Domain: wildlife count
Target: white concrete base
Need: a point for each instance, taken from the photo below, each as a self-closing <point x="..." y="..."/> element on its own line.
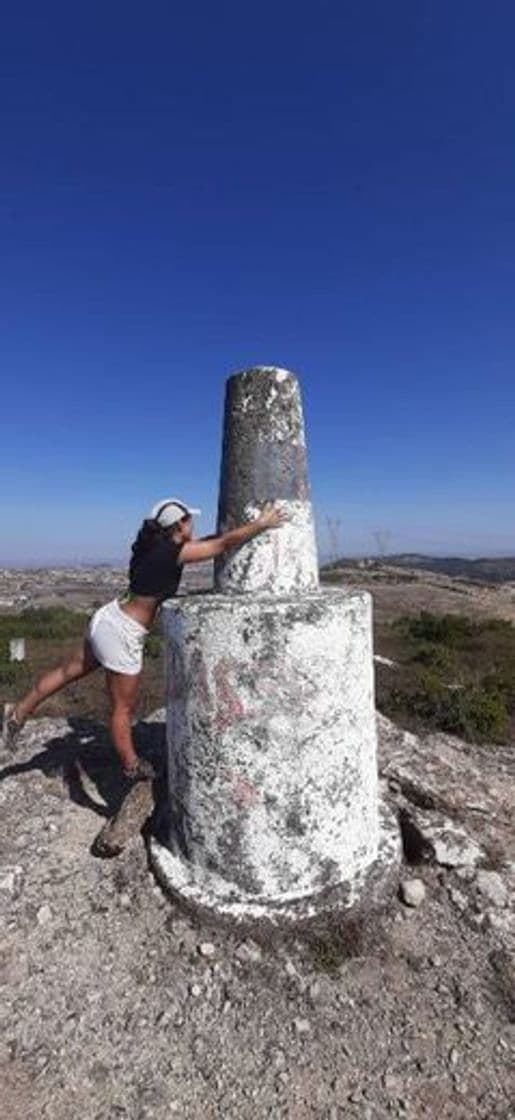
<point x="213" y="898"/>
<point x="272" y="740"/>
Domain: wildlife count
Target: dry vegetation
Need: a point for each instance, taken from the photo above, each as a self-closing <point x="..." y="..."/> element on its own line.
<point x="452" y="642"/>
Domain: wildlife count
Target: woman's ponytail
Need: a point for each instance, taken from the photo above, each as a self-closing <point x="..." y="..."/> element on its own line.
<point x="147" y="537"/>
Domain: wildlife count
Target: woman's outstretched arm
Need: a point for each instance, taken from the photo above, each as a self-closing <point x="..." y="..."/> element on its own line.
<point x="208" y="547"/>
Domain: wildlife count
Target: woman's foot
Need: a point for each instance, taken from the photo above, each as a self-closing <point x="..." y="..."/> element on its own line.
<point x="11" y="728"/>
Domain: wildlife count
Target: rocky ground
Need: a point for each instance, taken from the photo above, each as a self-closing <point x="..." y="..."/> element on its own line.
<point x="116" y="1004"/>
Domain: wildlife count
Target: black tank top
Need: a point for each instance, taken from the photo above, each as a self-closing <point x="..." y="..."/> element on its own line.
<point x="156" y="572"/>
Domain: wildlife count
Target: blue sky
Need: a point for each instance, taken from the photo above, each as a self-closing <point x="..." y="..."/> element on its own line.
<point x="187" y="190"/>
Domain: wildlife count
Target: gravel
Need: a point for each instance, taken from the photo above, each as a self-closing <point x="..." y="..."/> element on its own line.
<point x="114" y="1003"/>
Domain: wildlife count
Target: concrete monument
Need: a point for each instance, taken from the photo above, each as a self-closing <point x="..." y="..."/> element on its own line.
<point x="272" y="776"/>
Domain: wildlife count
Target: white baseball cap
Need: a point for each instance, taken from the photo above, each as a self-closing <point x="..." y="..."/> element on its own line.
<point x="169" y="511"/>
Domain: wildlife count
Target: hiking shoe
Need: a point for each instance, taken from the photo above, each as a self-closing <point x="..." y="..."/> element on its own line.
<point x="142" y="771"/>
<point x="10" y="729"/>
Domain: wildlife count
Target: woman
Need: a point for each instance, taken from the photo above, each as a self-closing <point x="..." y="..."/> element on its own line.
<point x="116" y="633"/>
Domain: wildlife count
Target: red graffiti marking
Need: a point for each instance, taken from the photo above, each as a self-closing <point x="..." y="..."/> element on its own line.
<point x="283" y="687"/>
<point x="229" y="707"/>
<point x="245" y="793"/>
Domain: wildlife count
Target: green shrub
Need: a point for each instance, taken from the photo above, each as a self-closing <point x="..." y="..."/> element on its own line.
<point x="434" y="656"/>
<point x="447" y="629"/>
<point x="42" y="622"/>
<point x="476" y="714"/>
<point x="472" y="712"/>
<point x="502" y="682"/>
<point x="497" y="626"/>
<point x="453" y="673"/>
<point x="11" y="672"/>
<point x="35" y="624"/>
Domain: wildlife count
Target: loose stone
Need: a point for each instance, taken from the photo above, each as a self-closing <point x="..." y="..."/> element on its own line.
<point x="412" y="892"/>
<point x="314" y="990"/>
<point x="248" y="951"/>
<point x="458" y="898"/>
<point x="44" y="915"/>
<point x="10" y="879"/>
<point x="207" y="949"/>
<point x="492" y="887"/>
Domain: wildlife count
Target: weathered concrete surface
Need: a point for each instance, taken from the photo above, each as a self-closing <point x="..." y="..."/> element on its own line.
<point x="357" y="895"/>
<point x="275" y="562"/>
<point x="264" y="459"/>
<point x="271" y="738"/>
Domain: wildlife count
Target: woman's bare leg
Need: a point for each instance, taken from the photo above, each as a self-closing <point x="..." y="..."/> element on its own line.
<point x="79" y="663"/>
<point x="123" y="691"/>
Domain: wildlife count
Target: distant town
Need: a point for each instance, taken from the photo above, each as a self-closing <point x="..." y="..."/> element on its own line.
<point x="76" y="588"/>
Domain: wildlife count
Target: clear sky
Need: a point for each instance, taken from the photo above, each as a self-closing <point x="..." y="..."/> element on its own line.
<point x="189" y="189"/>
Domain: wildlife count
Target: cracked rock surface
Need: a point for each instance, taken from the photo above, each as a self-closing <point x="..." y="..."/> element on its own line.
<point x="114" y="1003"/>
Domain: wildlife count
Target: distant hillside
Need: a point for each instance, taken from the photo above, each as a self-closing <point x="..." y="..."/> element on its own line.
<point x="484" y="570"/>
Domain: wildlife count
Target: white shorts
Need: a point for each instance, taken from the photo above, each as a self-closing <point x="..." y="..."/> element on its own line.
<point x="116" y="639"/>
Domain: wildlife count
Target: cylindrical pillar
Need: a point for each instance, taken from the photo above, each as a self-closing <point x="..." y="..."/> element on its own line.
<point x="271" y="725"/>
<point x="271" y="733"/>
<point x="264" y="459"/>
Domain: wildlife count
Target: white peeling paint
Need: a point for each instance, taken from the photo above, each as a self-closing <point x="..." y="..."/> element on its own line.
<point x="279" y="561"/>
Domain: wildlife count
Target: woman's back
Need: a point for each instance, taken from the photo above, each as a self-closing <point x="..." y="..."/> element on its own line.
<point x="154" y="569"/>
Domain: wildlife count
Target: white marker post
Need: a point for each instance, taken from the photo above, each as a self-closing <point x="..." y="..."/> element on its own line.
<point x="273" y="790"/>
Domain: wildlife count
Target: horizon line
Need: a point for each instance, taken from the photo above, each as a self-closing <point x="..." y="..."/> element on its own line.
<point x="34" y="565"/>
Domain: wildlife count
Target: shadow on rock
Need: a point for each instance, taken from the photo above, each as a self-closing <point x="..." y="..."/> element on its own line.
<point x="84" y="754"/>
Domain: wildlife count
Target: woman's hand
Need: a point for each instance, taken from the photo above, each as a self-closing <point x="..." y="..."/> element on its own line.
<point x="271" y="517"/>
